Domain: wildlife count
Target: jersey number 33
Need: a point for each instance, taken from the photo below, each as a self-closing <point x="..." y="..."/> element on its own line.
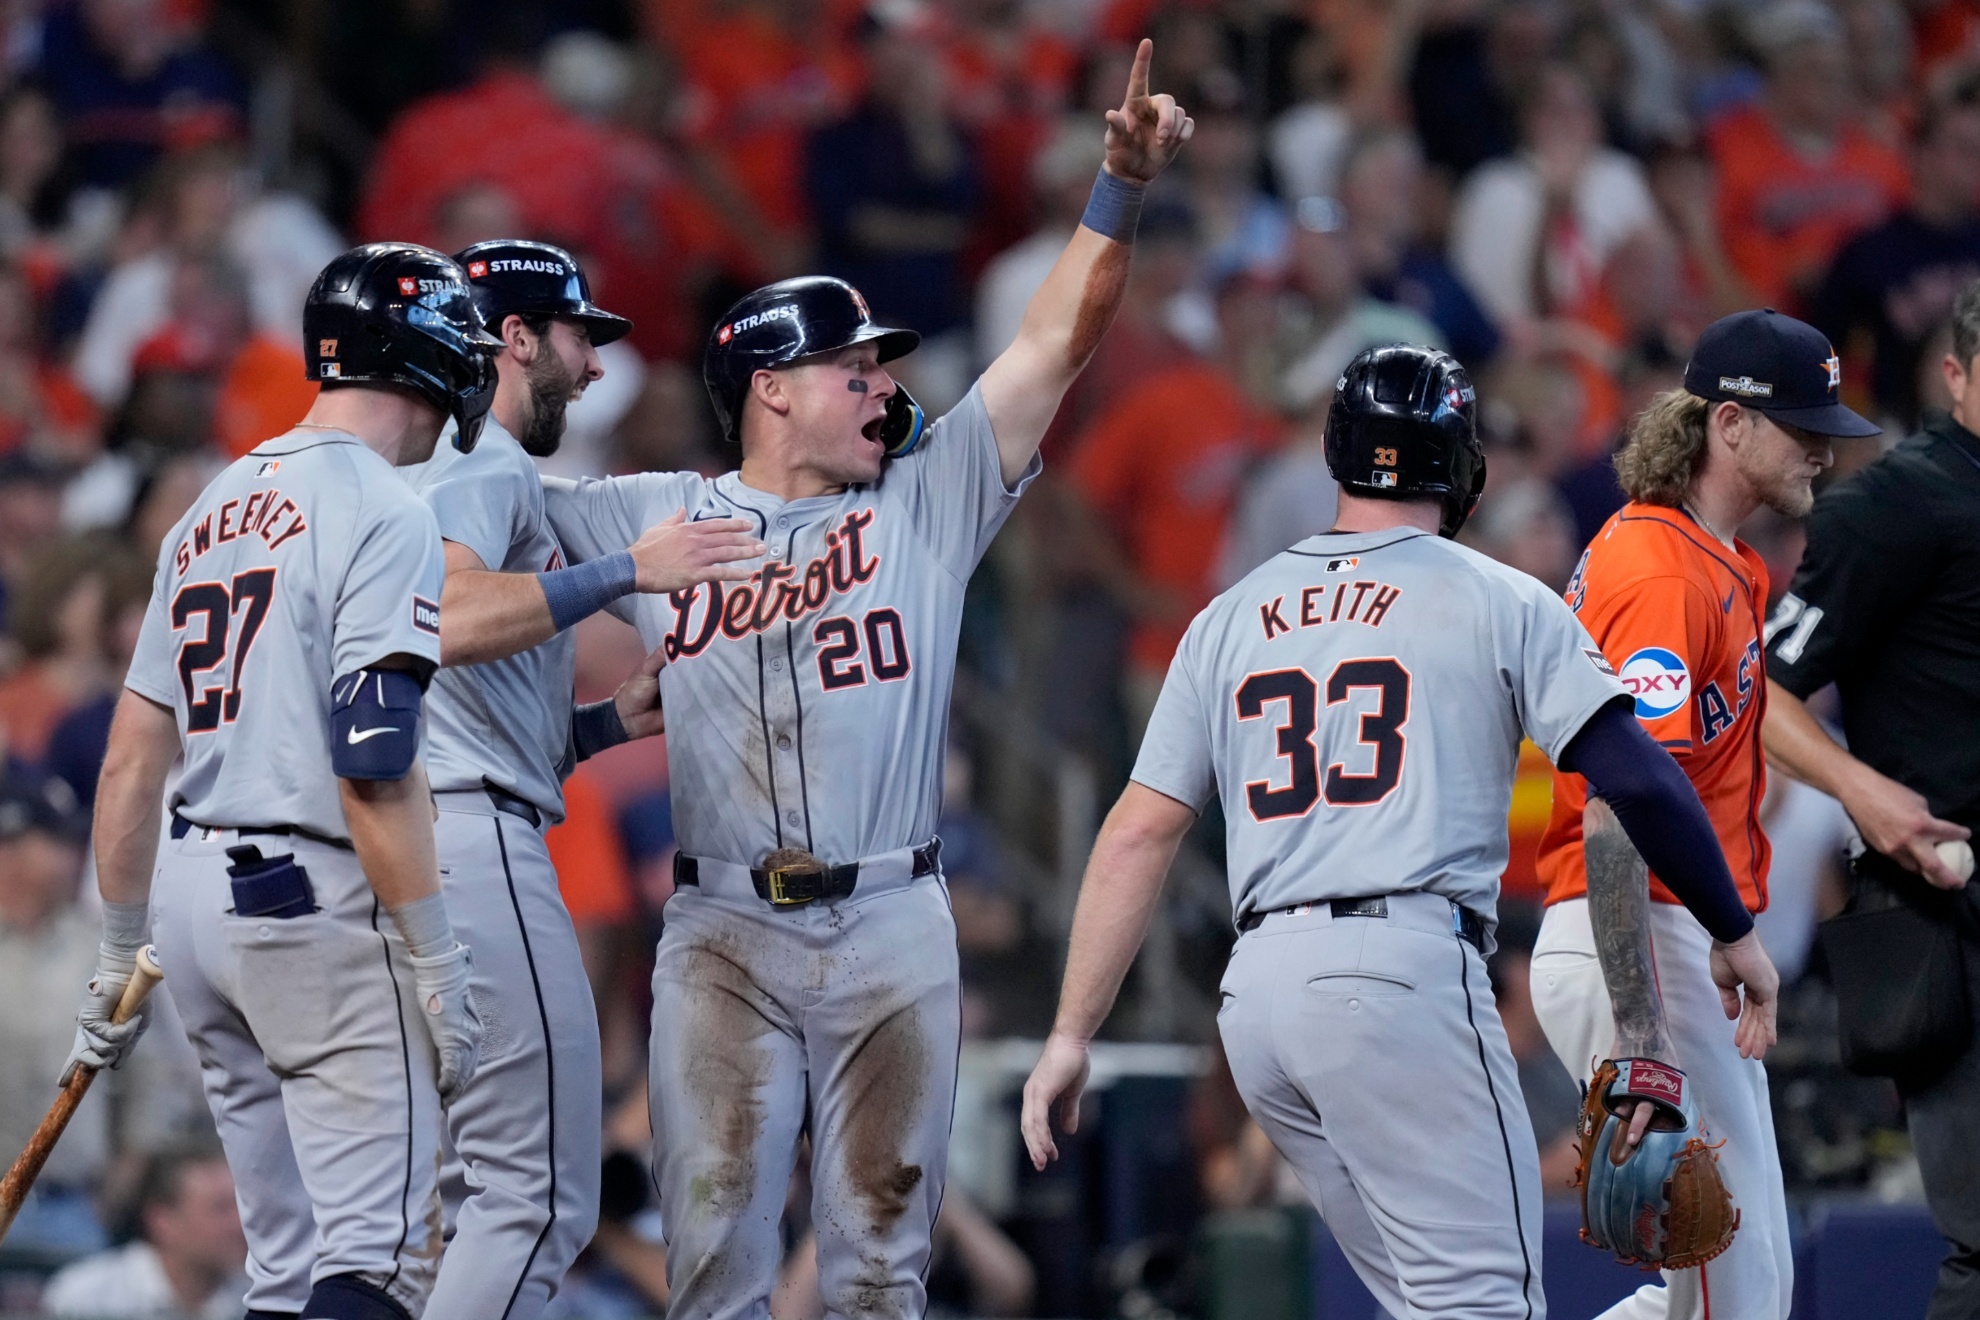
<point x="1297" y="694"/>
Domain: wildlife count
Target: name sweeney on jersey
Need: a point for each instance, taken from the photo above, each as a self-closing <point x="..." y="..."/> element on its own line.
<point x="264" y="513"/>
<point x="775" y="591"/>
<point x="1338" y="602"/>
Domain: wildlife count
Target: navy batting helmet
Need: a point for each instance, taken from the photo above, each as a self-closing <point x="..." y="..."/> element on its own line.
<point x="791" y="319"/>
<point x="515" y="277"/>
<point x="1404" y="424"/>
<point x="399" y="314"/>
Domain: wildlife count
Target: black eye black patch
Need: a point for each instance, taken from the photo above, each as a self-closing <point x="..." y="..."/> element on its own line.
<point x="856" y="386"/>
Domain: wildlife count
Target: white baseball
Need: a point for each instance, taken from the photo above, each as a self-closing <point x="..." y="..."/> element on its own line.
<point x="1957" y="854"/>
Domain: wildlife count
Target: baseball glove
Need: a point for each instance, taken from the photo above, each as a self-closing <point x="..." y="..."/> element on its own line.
<point x="1663" y="1204"/>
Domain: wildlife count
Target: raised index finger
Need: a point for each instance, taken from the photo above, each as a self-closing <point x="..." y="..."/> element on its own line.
<point x="1144" y="55"/>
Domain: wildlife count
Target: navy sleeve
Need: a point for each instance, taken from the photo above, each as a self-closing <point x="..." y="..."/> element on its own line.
<point x="1661" y="813"/>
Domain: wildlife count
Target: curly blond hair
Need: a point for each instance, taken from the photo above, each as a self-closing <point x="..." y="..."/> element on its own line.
<point x="1664" y="449"/>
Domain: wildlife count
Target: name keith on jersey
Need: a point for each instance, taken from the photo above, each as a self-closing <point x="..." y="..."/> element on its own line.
<point x="777" y="591"/>
<point x="264" y="513"/>
<point x="1338" y="602"/>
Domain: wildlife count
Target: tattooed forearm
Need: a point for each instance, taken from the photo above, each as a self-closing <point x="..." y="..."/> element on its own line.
<point x="1619" y="911"/>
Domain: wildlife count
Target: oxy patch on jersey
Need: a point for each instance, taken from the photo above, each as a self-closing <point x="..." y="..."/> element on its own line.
<point x="1658" y="679"/>
<point x="776" y="592"/>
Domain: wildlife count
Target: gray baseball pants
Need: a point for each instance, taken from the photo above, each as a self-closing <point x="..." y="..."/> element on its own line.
<point x="522" y="1184"/>
<point x="1371" y="1052"/>
<point x="317" y="1068"/>
<point x="841" y="1018"/>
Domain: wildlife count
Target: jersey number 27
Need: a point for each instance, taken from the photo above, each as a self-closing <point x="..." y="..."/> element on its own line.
<point x="248" y="599"/>
<point x="1381" y="728"/>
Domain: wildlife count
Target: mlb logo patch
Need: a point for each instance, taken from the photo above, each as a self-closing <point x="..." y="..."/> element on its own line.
<point x="426" y="615"/>
<point x="408" y="285"/>
<point x="330" y="370"/>
<point x="326" y="348"/>
<point x="477" y="269"/>
<point x="1387" y="479"/>
<point x="268" y="468"/>
<point x="1347" y="565"/>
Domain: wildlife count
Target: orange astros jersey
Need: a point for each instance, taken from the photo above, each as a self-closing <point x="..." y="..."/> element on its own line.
<point x="1680" y="617"/>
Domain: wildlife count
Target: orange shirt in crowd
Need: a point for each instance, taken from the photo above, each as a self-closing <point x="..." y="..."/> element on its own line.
<point x="1680" y="617"/>
<point x="760" y="91"/>
<point x="503" y="130"/>
<point x="592" y="872"/>
<point x="1162" y="467"/>
<point x="1783" y="217"/>
<point x="265" y="391"/>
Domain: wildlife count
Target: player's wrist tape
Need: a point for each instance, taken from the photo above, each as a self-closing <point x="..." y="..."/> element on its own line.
<point x="125" y="927"/>
<point x="582" y="590"/>
<point x="596" y="726"/>
<point x="424" y="926"/>
<point x="1114" y="208"/>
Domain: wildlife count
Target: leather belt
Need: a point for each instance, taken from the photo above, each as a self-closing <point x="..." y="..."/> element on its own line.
<point x="787" y="887"/>
<point x="1465" y="924"/>
<point x="181" y="827"/>
<point x="510" y="805"/>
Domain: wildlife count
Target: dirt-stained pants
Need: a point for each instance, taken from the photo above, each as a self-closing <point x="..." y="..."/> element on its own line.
<point x="839" y="1018"/>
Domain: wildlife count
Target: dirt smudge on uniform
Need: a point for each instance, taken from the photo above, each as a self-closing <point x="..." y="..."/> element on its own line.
<point x="884" y="1094"/>
<point x="726" y="1080"/>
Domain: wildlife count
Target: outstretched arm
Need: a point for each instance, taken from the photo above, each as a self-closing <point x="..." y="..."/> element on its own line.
<point x="1116" y="900"/>
<point x="1077" y="302"/>
<point x="487" y="614"/>
<point x="1895" y="820"/>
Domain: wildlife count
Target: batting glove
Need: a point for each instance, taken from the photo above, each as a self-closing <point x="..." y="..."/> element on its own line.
<point x="447" y="1008"/>
<point x="101" y="1043"/>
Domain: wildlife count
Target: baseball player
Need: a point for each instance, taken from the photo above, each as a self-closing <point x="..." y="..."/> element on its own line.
<point x="1356" y="704"/>
<point x="807" y="977"/>
<point x="1677" y="604"/>
<point x="294" y="621"/>
<point x="502" y="735"/>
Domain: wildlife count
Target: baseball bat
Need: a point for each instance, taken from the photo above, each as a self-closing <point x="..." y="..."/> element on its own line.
<point x="14" y="1188"/>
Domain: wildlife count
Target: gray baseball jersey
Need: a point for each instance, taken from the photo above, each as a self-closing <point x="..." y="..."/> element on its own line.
<point x="508" y="721"/>
<point x="1357" y="702"/>
<point x="305" y="559"/>
<point x="808" y="706"/>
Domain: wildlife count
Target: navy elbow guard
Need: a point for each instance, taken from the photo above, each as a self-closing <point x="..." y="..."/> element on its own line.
<point x="374" y="724"/>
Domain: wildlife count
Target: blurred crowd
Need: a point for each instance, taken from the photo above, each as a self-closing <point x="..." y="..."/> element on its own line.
<point x="1560" y="192"/>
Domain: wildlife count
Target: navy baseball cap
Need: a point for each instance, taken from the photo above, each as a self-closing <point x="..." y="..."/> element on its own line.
<point x="1775" y="365"/>
<point x="518" y="277"/>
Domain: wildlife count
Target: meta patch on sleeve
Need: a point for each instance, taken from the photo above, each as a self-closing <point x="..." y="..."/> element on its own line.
<point x="1599" y="660"/>
<point x="1658" y="680"/>
<point x="426" y="615"/>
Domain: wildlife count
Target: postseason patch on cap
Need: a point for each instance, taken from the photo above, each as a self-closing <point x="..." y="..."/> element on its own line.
<point x="1747" y="387"/>
<point x="1658" y="680"/>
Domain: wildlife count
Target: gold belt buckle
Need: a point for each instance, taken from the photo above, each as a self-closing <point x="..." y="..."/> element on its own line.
<point x="779" y="896"/>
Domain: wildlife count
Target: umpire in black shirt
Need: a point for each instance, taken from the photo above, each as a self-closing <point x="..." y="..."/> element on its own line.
<point x="1886" y="605"/>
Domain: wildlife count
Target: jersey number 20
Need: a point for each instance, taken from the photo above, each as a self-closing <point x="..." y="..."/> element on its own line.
<point x="249" y="599"/>
<point x="1381" y="728"/>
